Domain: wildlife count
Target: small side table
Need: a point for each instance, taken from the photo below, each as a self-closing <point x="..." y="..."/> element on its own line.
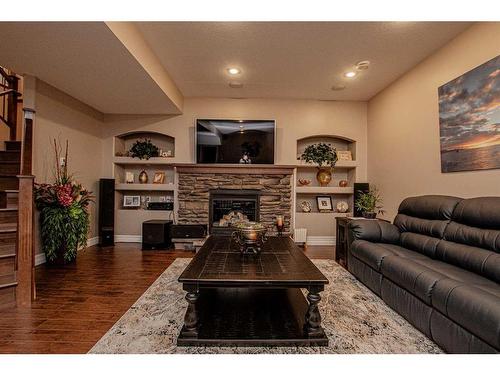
<point x="341" y="246"/>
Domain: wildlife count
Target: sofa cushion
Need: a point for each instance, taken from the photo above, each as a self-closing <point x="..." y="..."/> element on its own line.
<point x="483" y="212"/>
<point x="472" y="239"/>
<point x="420" y="275"/>
<point x="422" y="221"/>
<point x="430" y="207"/>
<point x="483" y="262"/>
<point x="418" y="242"/>
<point x="373" y="254"/>
<point x="475" y="307"/>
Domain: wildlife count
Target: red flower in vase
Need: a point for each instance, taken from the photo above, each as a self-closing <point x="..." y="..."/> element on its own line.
<point x="64" y="195"/>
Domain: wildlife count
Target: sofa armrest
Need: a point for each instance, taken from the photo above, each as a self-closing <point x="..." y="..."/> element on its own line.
<point x="373" y="231"/>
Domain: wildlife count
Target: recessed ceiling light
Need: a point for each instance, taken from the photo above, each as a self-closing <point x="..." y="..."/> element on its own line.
<point x="350" y="74"/>
<point x="363" y="65"/>
<point x="338" y="87"/>
<point x="235" y="85"/>
<point x="234" y="71"/>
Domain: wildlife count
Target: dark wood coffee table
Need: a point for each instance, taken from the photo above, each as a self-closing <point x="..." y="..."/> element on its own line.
<point x="252" y="300"/>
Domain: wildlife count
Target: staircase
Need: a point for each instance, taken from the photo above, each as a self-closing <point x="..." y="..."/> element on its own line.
<point x="17" y="269"/>
<point x="10" y="168"/>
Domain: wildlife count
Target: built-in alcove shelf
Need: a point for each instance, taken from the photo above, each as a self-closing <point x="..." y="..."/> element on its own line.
<point x="322" y="224"/>
<point x="144" y="187"/>
<point x="324" y="190"/>
<point x="128" y="221"/>
<point x="322" y="215"/>
<point x="124" y="160"/>
<point x="341" y="164"/>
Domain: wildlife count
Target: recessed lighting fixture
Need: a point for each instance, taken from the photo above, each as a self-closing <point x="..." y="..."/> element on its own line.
<point x="350" y="74"/>
<point x="235" y="85"/>
<point x="233" y="71"/>
<point x="363" y="65"/>
<point x="338" y="87"/>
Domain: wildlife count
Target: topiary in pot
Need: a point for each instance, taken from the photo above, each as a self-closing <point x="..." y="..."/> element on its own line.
<point x="370" y="203"/>
<point x="144" y="149"/>
<point x="325" y="156"/>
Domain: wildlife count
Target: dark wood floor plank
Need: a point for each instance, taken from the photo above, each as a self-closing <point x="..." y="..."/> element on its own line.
<point x="77" y="305"/>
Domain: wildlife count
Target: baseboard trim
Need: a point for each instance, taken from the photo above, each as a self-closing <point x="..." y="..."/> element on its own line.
<point x="128" y="238"/>
<point x="40" y="258"/>
<point x="321" y="240"/>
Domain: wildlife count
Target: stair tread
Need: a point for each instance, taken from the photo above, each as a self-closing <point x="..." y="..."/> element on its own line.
<point x="7" y="281"/>
<point x="8" y="228"/>
<point x="7" y="255"/>
<point x="8" y="209"/>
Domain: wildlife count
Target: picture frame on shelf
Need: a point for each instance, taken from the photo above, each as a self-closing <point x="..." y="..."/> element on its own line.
<point x="344" y="155"/>
<point x="324" y="203"/>
<point x="131" y="201"/>
<point x="159" y="178"/>
<point x="129" y="177"/>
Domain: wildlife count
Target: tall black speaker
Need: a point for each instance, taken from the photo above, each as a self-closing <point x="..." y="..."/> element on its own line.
<point x="359" y="187"/>
<point x="107" y="211"/>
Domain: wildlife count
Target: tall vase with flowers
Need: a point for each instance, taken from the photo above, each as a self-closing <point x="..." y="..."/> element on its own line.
<point x="64" y="216"/>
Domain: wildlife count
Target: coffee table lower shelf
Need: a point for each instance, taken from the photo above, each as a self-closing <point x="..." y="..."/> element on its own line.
<point x="251" y="317"/>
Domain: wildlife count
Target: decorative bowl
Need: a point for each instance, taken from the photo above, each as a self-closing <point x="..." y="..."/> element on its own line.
<point x="250" y="236"/>
<point x="304" y="181"/>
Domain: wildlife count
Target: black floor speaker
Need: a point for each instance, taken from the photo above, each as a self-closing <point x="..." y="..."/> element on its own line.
<point x="156" y="234"/>
<point x="107" y="211"/>
<point x="359" y="187"/>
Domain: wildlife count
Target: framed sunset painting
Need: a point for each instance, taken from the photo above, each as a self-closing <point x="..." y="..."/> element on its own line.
<point x="469" y="120"/>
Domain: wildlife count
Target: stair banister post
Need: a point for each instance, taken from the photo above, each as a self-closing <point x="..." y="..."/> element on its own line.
<point x="26" y="291"/>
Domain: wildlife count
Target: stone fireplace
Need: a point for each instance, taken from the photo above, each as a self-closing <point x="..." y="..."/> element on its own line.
<point x="242" y="204"/>
<point x="260" y="192"/>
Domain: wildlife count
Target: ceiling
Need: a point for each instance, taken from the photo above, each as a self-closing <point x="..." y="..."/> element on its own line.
<point x="292" y="59"/>
<point x="126" y="67"/>
<point x="85" y="60"/>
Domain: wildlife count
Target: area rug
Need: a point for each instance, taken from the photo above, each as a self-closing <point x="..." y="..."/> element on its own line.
<point x="355" y="321"/>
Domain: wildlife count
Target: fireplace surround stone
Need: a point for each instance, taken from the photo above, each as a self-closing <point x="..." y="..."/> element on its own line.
<point x="274" y="187"/>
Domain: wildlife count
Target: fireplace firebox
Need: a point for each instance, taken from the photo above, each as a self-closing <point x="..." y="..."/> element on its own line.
<point x="229" y="205"/>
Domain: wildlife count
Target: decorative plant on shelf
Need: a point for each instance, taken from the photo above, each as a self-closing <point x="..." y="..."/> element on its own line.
<point x="144" y="149"/>
<point x="370" y="203"/>
<point x="325" y="156"/>
<point x="64" y="217"/>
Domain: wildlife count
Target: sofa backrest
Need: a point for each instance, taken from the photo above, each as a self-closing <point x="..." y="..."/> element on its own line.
<point x="472" y="239"/>
<point x="422" y="221"/>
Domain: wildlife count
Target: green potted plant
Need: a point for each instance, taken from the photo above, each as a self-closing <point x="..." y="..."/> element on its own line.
<point x="369" y="203"/>
<point x="64" y="216"/>
<point x="144" y="149"/>
<point x="325" y="156"/>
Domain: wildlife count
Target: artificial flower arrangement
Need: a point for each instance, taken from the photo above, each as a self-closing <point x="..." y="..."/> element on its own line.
<point x="64" y="216"/>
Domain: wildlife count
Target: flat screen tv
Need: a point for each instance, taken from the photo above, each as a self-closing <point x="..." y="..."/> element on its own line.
<point x="235" y="141"/>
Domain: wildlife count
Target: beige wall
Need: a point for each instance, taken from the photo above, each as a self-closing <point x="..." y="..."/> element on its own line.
<point x="64" y="118"/>
<point x="294" y="119"/>
<point x="403" y="125"/>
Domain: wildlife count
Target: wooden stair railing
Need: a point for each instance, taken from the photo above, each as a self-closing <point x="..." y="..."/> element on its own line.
<point x="16" y="204"/>
<point x="10" y="83"/>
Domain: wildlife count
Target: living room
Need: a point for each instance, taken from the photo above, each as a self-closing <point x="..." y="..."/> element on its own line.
<point x="250" y="187"/>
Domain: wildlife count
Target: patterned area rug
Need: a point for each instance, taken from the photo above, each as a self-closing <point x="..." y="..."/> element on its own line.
<point x="354" y="318"/>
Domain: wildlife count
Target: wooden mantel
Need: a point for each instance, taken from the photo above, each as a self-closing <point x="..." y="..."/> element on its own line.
<point x="268" y="169"/>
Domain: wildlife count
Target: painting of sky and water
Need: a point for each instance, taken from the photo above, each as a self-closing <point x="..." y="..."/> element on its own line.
<point x="469" y="120"/>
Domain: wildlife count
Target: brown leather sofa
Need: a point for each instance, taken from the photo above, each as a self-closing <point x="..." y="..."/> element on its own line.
<point x="438" y="266"/>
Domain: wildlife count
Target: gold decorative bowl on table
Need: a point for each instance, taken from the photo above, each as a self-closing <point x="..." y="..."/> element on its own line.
<point x="249" y="236"/>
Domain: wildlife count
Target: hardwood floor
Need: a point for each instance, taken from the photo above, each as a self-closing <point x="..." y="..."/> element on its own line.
<point x="76" y="305"/>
